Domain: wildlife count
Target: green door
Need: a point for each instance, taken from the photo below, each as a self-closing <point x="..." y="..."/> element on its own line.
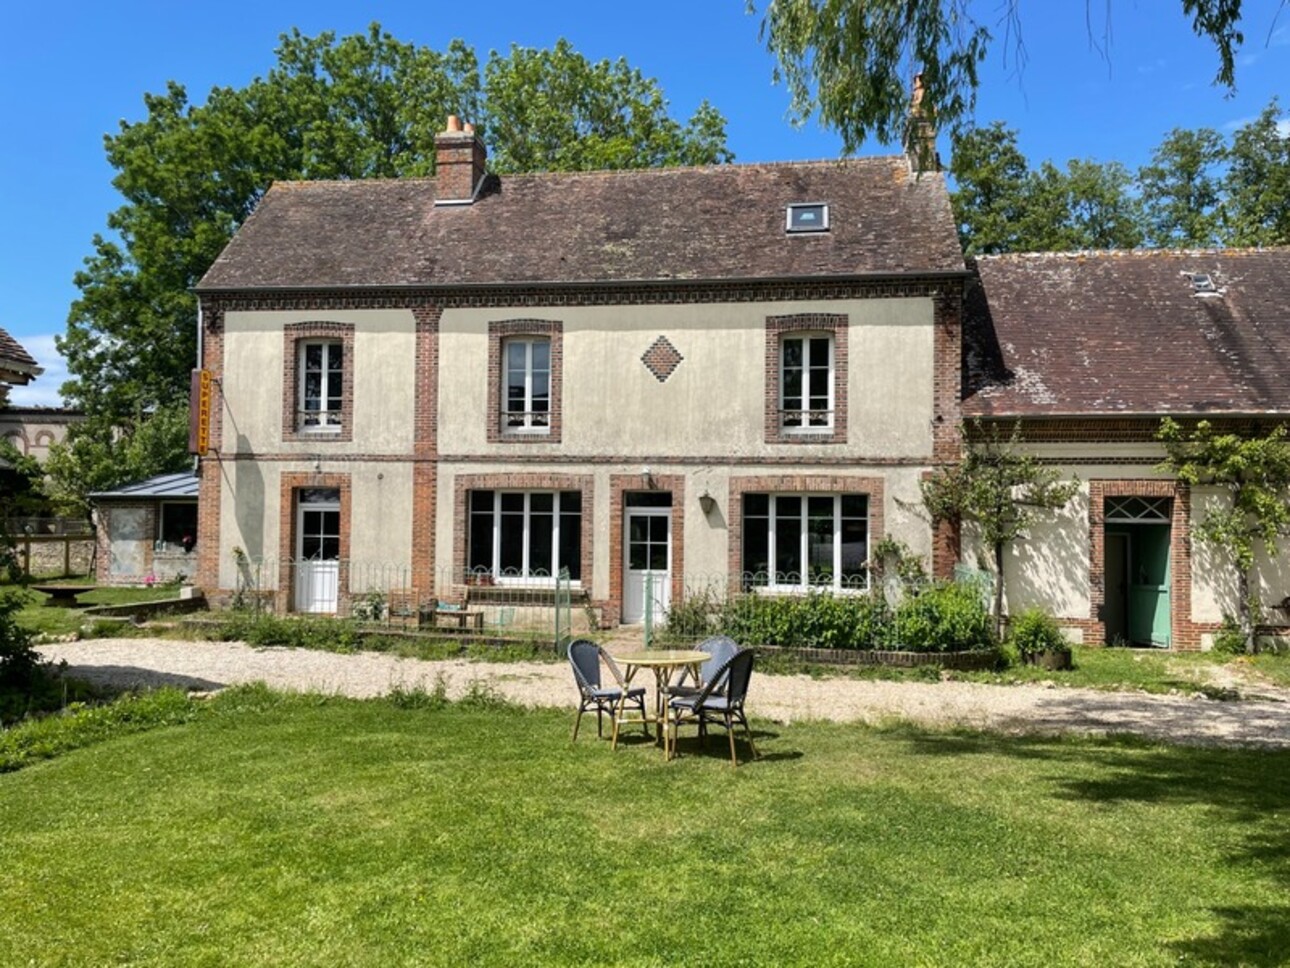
<point x="1149" y="622"/>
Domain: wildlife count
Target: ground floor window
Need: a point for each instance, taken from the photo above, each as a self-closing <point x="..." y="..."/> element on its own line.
<point x="525" y="535"/>
<point x="806" y="541"/>
<point x="177" y="524"/>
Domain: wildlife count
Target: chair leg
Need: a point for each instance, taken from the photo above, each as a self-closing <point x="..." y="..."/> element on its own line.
<point x="577" y="721"/>
<point x="600" y="715"/>
<point x="644" y="724"/>
<point x="748" y="729"/>
<point x="730" y="731"/>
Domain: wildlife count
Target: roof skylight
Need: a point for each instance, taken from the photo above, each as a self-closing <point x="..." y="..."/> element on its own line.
<point x="808" y="217"/>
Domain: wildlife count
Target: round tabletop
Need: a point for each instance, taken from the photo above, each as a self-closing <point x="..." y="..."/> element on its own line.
<point x="662" y="658"/>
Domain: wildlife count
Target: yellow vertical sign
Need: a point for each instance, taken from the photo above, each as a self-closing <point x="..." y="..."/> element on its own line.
<point x="199" y="415"/>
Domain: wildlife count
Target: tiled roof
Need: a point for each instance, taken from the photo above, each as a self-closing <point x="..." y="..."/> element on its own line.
<point x="1128" y="333"/>
<point x="182" y="485"/>
<point x="714" y="223"/>
<point x="13" y="357"/>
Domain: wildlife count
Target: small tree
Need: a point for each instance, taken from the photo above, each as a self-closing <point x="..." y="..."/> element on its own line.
<point x="1000" y="490"/>
<point x="1254" y="474"/>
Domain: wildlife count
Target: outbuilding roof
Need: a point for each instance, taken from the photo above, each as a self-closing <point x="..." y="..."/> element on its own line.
<point x="1129" y="333"/>
<point x="176" y="486"/>
<point x="724" y="222"/>
<point x="16" y="361"/>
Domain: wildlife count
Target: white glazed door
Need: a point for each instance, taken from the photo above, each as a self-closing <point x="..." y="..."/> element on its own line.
<point x="648" y="555"/>
<point x="317" y="552"/>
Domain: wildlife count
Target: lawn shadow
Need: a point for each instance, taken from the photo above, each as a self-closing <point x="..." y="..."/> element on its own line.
<point x="1243" y="790"/>
<point x="117" y="678"/>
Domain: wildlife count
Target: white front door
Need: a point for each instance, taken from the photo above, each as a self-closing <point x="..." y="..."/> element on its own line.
<point x="318" y="550"/>
<point x="648" y="562"/>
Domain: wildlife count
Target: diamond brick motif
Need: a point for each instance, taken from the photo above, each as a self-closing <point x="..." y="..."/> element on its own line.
<point x="662" y="358"/>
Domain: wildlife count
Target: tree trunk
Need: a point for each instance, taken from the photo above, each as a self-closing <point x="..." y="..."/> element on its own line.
<point x="998" y="591"/>
<point x="1243" y="611"/>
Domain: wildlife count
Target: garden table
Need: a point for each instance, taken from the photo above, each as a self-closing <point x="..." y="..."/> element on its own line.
<point x="665" y="663"/>
<point x="64" y="595"/>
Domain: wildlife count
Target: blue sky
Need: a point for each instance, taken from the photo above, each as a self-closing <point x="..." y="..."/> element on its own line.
<point x="70" y="71"/>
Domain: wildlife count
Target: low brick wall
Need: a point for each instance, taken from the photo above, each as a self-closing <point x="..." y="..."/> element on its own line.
<point x="960" y="661"/>
<point x="146" y="609"/>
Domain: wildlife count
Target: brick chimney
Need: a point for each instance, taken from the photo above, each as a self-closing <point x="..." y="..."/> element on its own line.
<point x="459" y="163"/>
<point x="920" y="135"/>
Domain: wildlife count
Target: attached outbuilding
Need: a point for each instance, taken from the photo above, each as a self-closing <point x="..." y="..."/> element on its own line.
<point x="147" y="531"/>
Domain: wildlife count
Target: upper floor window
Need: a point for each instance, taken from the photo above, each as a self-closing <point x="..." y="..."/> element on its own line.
<point x="806" y="383"/>
<point x="318" y="381"/>
<point x="321" y="369"/>
<point x="806" y="378"/>
<point x="525" y="363"/>
<point x="526" y="401"/>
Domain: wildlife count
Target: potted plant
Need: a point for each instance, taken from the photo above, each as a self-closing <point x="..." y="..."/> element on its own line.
<point x="1038" y="640"/>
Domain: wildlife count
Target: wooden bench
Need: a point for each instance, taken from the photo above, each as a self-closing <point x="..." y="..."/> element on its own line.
<point x="64" y="595"/>
<point x="459" y="617"/>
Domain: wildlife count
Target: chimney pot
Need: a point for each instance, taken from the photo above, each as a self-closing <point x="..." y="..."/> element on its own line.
<point x="468" y="128"/>
<point x="454" y="124"/>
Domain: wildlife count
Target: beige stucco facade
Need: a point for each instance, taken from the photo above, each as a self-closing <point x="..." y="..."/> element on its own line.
<point x="703" y="426"/>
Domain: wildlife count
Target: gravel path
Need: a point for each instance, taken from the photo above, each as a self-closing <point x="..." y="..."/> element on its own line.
<point x="1013" y="709"/>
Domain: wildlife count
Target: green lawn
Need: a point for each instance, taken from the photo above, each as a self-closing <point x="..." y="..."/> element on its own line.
<point x="326" y="831"/>
<point x="56" y="620"/>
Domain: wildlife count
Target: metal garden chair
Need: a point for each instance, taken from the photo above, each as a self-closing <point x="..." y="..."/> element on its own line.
<point x="720" y="702"/>
<point x="585" y="658"/>
<point x="721" y="649"/>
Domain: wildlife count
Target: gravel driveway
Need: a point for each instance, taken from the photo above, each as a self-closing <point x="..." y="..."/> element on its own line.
<point x="1012" y="709"/>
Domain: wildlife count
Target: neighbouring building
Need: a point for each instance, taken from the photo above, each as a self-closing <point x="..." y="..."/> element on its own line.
<point x="17" y="368"/>
<point x="147" y="532"/>
<point x="671" y="376"/>
<point x="1086" y="353"/>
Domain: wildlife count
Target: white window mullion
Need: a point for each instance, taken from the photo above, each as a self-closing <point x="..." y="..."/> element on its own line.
<point x="497" y="534"/>
<point x="837" y="542"/>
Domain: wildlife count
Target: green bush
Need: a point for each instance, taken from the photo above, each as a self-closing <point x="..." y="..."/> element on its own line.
<point x="1229" y="639"/>
<point x="327" y="634"/>
<point x="1034" y="631"/>
<point x="943" y="618"/>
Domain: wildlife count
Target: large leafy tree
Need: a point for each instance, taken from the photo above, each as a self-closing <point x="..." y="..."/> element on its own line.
<point x="1182" y="190"/>
<point x="850" y="61"/>
<point x="361" y="106"/>
<point x="1251" y="476"/>
<point x="1002" y="205"/>
<point x="1257" y="184"/>
<point x="998" y="489"/>
<point x="1199" y="190"/>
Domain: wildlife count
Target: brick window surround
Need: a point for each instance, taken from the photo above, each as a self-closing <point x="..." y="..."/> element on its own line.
<point x="873" y="487"/>
<point x="293" y="335"/>
<point x="498" y="332"/>
<point x="463" y="484"/>
<point x="777" y="327"/>
<point x="290" y="485"/>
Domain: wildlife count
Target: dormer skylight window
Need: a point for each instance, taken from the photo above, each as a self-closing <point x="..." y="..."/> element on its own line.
<point x="808" y="217"/>
<point x="1201" y="281"/>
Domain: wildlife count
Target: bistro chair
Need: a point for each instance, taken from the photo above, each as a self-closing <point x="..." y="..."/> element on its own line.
<point x="585" y="658"/>
<point x="720" y="702"/>
<point x="721" y="649"/>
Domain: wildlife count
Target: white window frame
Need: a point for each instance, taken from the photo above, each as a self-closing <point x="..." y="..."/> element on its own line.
<point x="792" y="229"/>
<point x="327" y="421"/>
<point x="806" y="428"/>
<point x="803" y="584"/>
<point x="533" y="422"/>
<point x="528" y="578"/>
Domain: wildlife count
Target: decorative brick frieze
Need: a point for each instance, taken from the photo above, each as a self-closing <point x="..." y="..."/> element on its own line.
<point x="619" y="485"/>
<point x="662" y="359"/>
<point x="874" y="487"/>
<point x="777" y="327"/>
<point x="498" y="332"/>
<point x="293" y="335"/>
<point x="671" y="292"/>
<point x="858" y="460"/>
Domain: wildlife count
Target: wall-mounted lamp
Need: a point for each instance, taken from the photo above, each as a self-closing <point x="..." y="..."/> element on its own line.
<point x="707" y="502"/>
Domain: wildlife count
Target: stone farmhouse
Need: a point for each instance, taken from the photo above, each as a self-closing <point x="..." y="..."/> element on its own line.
<point x="651" y="378"/>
